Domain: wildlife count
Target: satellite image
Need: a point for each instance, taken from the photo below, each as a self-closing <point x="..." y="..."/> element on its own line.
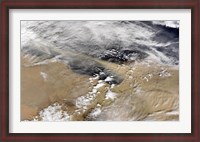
<point x="99" y="71"/>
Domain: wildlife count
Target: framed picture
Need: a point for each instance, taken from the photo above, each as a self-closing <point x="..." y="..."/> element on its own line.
<point x="100" y="70"/>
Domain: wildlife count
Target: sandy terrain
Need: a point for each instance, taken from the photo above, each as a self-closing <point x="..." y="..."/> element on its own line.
<point x="148" y="92"/>
<point x="60" y="83"/>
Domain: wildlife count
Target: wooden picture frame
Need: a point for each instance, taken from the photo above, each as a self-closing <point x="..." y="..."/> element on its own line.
<point x="7" y="5"/>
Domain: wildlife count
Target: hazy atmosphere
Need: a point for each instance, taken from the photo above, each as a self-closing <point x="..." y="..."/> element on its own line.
<point x="99" y="70"/>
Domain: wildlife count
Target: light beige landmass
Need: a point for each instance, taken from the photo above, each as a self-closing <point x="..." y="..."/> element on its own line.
<point x="61" y="84"/>
<point x="148" y="91"/>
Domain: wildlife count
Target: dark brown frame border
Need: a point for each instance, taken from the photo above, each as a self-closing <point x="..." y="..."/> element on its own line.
<point x="100" y="4"/>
